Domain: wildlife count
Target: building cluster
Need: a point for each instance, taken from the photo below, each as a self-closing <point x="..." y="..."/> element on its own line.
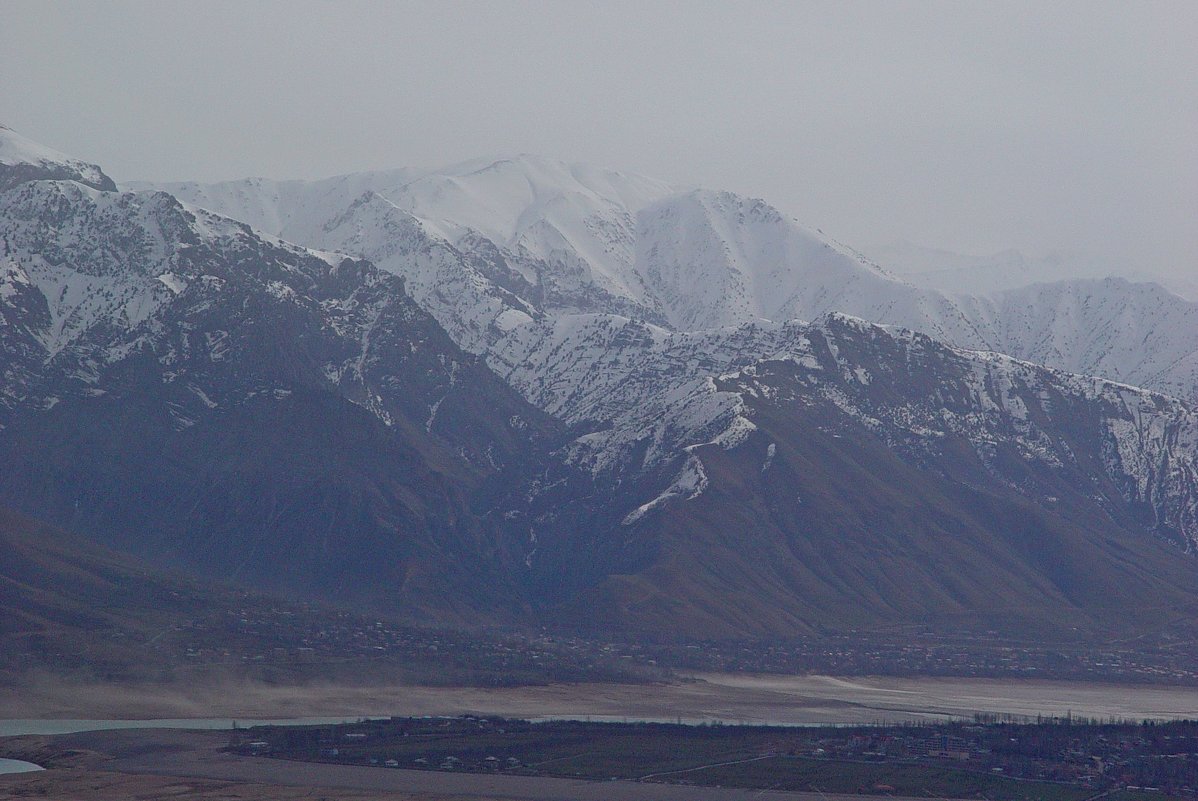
<point x="307" y="639"/>
<point x="1166" y="661"/>
<point x="1143" y="756"/>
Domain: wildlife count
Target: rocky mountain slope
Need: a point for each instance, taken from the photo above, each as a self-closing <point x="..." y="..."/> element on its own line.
<point x="565" y="396"/>
<point x="488" y="244"/>
<point x="207" y="397"/>
<point x="23" y="160"/>
<point x="759" y="451"/>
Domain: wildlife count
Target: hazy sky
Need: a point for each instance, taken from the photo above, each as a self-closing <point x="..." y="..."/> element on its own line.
<point x="969" y="126"/>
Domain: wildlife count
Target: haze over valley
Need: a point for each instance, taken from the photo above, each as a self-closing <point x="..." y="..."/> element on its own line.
<point x="502" y="438"/>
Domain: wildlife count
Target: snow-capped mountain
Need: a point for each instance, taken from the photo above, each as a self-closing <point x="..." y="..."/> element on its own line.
<point x="510" y="235"/>
<point x="1136" y="333"/>
<point x="959" y="273"/>
<point x="525" y="391"/>
<point x="25" y="160"/>
<point x="223" y="401"/>
<point x="506" y="241"/>
<point x="788" y="454"/>
<point x="658" y="394"/>
<point x="544" y="207"/>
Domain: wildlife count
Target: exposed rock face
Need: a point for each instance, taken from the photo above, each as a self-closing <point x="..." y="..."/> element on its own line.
<point x="208" y="397"/>
<point x="806" y="437"/>
<point x="487" y="245"/>
<point x="22" y="160"/>
<point x="523" y="391"/>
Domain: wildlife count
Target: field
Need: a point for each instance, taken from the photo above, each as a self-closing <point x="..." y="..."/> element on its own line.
<point x="483" y="758"/>
<point x="731" y="698"/>
<point x="120" y="765"/>
<point x="1059" y="759"/>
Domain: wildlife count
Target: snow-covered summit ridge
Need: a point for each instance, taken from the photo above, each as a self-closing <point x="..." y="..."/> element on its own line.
<point x="525" y="236"/>
<point x="211" y="314"/>
<point x="22" y="159"/>
<point x="501" y="197"/>
<point x="651" y="400"/>
<point x="689" y="258"/>
<point x="672" y="353"/>
<point x="79" y="263"/>
<point x="507" y="199"/>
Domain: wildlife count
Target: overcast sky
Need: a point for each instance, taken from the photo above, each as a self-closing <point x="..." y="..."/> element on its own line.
<point x="969" y="126"/>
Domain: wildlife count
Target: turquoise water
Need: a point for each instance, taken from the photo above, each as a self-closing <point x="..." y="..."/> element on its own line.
<point x="13" y="728"/>
<point x="17" y="766"/>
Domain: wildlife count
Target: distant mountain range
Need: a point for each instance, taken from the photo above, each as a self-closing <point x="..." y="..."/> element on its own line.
<point x="958" y="273"/>
<point x="532" y="393"/>
<point x="484" y="243"/>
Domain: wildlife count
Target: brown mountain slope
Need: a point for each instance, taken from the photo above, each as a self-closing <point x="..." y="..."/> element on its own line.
<point x="839" y="534"/>
<point x="69" y="604"/>
<point x="828" y="516"/>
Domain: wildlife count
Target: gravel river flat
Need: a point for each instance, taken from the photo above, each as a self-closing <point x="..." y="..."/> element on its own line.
<point x="119" y="762"/>
<point x="731" y="698"/>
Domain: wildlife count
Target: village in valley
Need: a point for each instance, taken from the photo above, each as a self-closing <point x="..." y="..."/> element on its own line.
<point x="267" y="638"/>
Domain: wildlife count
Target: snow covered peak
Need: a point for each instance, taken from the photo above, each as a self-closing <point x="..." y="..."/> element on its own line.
<point x="22" y="159"/>
<point x="714" y="259"/>
<point x="576" y="218"/>
<point x="506" y="198"/>
<point x="660" y="327"/>
<point x="487" y="243"/>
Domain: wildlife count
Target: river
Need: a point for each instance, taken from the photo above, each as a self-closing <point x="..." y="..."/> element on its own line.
<point x="15" y="728"/>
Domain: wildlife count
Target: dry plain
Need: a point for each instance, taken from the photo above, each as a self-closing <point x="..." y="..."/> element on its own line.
<point x="152" y="764"/>
<point x="731" y="698"/>
<point x="157" y="764"/>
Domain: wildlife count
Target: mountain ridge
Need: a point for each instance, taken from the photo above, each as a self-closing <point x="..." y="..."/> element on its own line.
<point x="208" y="398"/>
<point x="25" y="160"/>
<point x="694" y="259"/>
<point x="416" y="417"/>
